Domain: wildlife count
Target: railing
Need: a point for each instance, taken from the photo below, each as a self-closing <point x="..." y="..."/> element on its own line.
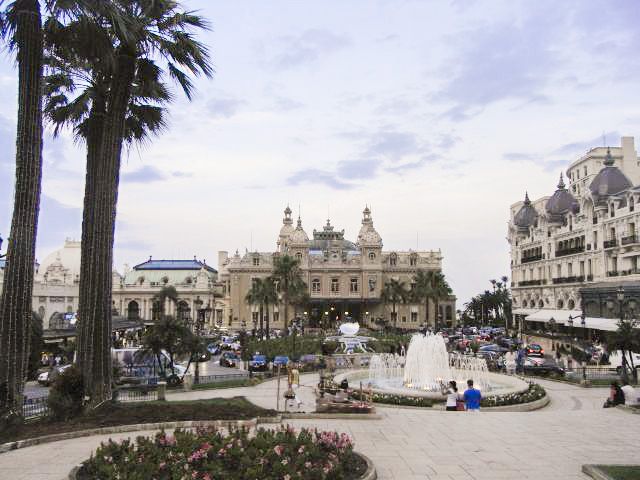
<point x="35" y="407"/>
<point x="572" y="279"/>
<point x="529" y="283"/>
<point x="569" y="251"/>
<point x="612" y="273"/>
<point x="591" y="372"/>
<point x="136" y="394"/>
<point x="205" y="379"/>
<point x="610" y="243"/>
<point x="533" y="258"/>
<point x="631" y="271"/>
<point x="629" y="239"/>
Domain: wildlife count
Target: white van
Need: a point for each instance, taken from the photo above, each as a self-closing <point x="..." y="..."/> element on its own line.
<point x="134" y="364"/>
<point x="615" y="360"/>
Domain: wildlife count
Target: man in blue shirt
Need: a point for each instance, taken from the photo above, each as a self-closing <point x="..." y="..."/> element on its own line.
<point x="472" y="397"/>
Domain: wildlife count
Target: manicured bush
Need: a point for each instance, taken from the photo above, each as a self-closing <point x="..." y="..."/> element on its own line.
<point x="535" y="392"/>
<point x="66" y="394"/>
<point x="390" y="399"/>
<point x="208" y="454"/>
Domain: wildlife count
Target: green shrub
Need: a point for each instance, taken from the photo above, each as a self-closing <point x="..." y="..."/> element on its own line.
<point x="535" y="392"/>
<point x="66" y="394"/>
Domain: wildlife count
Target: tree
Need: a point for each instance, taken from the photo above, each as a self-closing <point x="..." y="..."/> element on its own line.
<point x="22" y="29"/>
<point x="423" y="290"/>
<point x="168" y="334"/>
<point x="286" y="271"/>
<point x="394" y="292"/>
<point x="269" y="297"/>
<point x="160" y="299"/>
<point x="626" y="339"/>
<point x="36" y="344"/>
<point x="110" y="87"/>
<point x="440" y="289"/>
<point x="254" y="297"/>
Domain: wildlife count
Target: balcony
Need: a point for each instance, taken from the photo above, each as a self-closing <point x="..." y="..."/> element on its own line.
<point x="569" y="251"/>
<point x="629" y="239"/>
<point x="631" y="271"/>
<point x="572" y="279"/>
<point x="531" y="283"/>
<point x="533" y="258"/>
<point x="610" y="243"/>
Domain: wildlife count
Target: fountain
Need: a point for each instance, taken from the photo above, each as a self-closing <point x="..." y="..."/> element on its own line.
<point x="348" y="339"/>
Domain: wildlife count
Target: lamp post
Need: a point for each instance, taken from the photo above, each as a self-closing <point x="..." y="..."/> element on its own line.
<point x="255" y="327"/>
<point x="297" y="323"/>
<point x="204" y="315"/>
<point x="552" y="325"/>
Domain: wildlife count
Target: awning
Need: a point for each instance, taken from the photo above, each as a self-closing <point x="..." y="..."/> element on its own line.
<point x="525" y="311"/>
<point x="560" y="316"/>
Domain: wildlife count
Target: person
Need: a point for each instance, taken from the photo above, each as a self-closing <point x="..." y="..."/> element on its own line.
<point x="510" y="362"/>
<point x="402" y="350"/>
<point x="616" y="396"/>
<point x="569" y="362"/>
<point x="451" y="391"/>
<point x="472" y="397"/>
<point x="520" y="361"/>
<point x="630" y="394"/>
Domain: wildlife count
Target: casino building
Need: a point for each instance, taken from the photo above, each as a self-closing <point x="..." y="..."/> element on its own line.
<point x="344" y="278"/>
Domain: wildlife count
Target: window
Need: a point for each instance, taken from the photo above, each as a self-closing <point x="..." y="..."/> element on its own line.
<point x="414" y="317"/>
<point x="133" y="310"/>
<point x="449" y="310"/>
<point x="254" y="317"/>
<point x="299" y="257"/>
<point x="404" y="319"/>
<point x="276" y="317"/>
<point x="256" y="261"/>
<point x="585" y="170"/>
<point x="413" y="260"/>
<point x="315" y="285"/>
<point x="393" y="259"/>
<point x="589" y="267"/>
<point x="570" y="269"/>
<point x="582" y="269"/>
<point x="560" y="304"/>
<point x="335" y="285"/>
<point x="571" y="304"/>
<point x="353" y="286"/>
<point x="559" y="270"/>
<point x="372" y="256"/>
<point x="595" y="240"/>
<point x="632" y="206"/>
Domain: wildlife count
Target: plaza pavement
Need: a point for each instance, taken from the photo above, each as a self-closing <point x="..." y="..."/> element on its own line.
<point x="409" y="444"/>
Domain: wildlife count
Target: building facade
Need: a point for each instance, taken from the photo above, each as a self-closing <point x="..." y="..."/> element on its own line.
<point x="344" y="279"/>
<point x="580" y="240"/>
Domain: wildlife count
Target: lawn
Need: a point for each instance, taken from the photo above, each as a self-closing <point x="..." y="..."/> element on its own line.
<point x="114" y="414"/>
<point x="621" y="472"/>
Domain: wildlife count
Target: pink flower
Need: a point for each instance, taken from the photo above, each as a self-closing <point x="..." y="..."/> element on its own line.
<point x="278" y="449"/>
<point x="307" y="464"/>
<point x="162" y="465"/>
<point x="301" y="449"/>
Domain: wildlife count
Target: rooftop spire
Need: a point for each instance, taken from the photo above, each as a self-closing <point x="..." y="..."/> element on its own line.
<point x="526" y="198"/>
<point x="608" y="158"/>
<point x="561" y="185"/>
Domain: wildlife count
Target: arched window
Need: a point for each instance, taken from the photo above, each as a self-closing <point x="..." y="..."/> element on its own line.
<point x="393" y="259"/>
<point x="449" y="312"/>
<point x="413" y="260"/>
<point x="156" y="310"/>
<point x="299" y="257"/>
<point x="560" y="303"/>
<point x="41" y="313"/>
<point x="183" y="311"/>
<point x="315" y="285"/>
<point x="540" y="304"/>
<point x="372" y="256"/>
<point x="571" y="304"/>
<point x="133" y="310"/>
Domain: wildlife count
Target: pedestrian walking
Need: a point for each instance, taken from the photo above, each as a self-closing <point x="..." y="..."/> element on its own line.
<point x="472" y="397"/>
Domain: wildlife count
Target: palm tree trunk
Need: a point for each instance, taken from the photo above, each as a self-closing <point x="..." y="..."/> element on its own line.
<point x="266" y="305"/>
<point x="96" y="305"/>
<point x="15" y="303"/>
<point x="261" y="320"/>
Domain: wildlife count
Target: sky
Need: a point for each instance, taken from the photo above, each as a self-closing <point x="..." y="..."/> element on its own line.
<point x="438" y="115"/>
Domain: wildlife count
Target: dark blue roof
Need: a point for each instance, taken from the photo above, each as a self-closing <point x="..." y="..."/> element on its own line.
<point x="174" y="265"/>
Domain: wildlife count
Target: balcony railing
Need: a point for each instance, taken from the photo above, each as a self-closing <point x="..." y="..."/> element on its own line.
<point x="530" y="283"/>
<point x="631" y="271"/>
<point x="533" y="258"/>
<point x="569" y="251"/>
<point x="629" y="239"/>
<point x="610" y="243"/>
<point x="572" y="279"/>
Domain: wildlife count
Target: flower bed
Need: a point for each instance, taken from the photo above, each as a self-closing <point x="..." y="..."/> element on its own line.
<point x="391" y="399"/>
<point x="208" y="454"/>
<point x="535" y="392"/>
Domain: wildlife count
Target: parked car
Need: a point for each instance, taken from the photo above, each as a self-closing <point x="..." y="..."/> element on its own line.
<point x="492" y="347"/>
<point x="534" y="350"/>
<point x="258" y="363"/>
<point x="214" y="349"/>
<point x="538" y="366"/>
<point x="47" y="378"/>
<point x="229" y="359"/>
<point x="281" y="360"/>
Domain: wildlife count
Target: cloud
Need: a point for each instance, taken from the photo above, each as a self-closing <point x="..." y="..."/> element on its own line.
<point x="182" y="174"/>
<point x="56" y="222"/>
<point x="392" y="37"/>
<point x="396" y="106"/>
<point x="519" y="156"/>
<point x="581" y="146"/>
<point x="146" y="174"/>
<point x="361" y="168"/>
<point x="307" y="47"/>
<point x="408" y="166"/>
<point x="393" y="144"/>
<point x="224" y="107"/>
<point x="284" y="104"/>
<point x="315" y="176"/>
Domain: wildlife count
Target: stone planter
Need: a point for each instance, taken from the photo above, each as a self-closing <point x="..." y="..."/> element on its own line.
<point x="369" y="474"/>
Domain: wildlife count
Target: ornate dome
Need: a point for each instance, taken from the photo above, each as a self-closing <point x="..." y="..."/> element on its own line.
<point x="609" y="181"/>
<point x="68" y="257"/>
<point x="368" y="234"/>
<point x="287" y="227"/>
<point x="299" y="236"/>
<point x="561" y="202"/>
<point x="527" y="215"/>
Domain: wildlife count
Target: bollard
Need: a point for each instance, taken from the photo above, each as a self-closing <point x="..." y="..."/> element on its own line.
<point x="162" y="391"/>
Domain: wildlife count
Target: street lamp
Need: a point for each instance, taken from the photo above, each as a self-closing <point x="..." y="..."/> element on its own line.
<point x="203" y="315"/>
<point x="552" y="325"/>
<point x="1" y="256"/>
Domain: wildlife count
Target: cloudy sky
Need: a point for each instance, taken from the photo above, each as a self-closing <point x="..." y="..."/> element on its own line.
<point x="437" y="114"/>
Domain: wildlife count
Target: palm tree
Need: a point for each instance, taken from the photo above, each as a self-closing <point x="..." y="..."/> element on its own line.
<point x="160" y="299"/>
<point x="423" y="290"/>
<point x="113" y="93"/>
<point x="254" y="297"/>
<point x="440" y="288"/>
<point x="626" y="339"/>
<point x="22" y="28"/>
<point x="262" y="293"/>
<point x="286" y="270"/>
<point x="394" y="292"/>
<point x="269" y="297"/>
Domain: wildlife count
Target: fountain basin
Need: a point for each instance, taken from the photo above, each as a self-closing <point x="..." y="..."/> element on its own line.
<point x="500" y="385"/>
